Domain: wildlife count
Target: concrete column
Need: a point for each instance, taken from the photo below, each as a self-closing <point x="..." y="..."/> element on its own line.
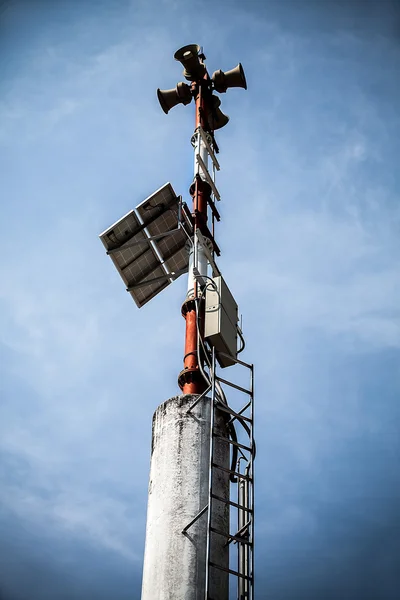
<point x="175" y="563"/>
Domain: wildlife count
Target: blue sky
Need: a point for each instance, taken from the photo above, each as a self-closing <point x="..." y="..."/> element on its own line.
<point x="310" y="241"/>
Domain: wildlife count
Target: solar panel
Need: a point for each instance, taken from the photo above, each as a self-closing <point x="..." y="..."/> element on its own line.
<point x="134" y="258"/>
<point x="160" y="214"/>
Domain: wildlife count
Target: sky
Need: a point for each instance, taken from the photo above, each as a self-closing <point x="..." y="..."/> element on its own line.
<point x="309" y="234"/>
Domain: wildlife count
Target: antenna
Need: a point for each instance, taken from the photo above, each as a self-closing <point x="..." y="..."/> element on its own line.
<point x="203" y="445"/>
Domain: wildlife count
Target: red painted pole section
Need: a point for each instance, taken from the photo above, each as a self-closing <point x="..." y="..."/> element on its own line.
<point x="190" y="379"/>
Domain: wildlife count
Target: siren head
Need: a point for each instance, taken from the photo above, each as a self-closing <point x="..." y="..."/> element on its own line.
<point x="181" y="94"/>
<point x="233" y="78"/>
<point x="217" y="119"/>
<point x="189" y="57"/>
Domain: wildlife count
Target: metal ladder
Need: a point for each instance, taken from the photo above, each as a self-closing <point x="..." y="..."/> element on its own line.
<point x="242" y="477"/>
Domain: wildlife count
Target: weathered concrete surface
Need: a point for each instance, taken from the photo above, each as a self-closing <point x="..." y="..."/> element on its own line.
<point x="174" y="563"/>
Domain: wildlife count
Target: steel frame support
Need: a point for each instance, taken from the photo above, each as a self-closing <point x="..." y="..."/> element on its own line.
<point x="243" y="478"/>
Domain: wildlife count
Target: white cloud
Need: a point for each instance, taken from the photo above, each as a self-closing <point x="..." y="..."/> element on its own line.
<point x="310" y="244"/>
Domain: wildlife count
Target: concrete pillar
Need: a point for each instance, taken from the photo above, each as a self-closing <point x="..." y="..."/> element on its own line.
<point x="175" y="563"/>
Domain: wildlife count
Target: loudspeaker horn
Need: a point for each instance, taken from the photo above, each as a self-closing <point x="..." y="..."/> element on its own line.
<point x="217" y="119"/>
<point x="233" y="78"/>
<point x="189" y="57"/>
<point x="170" y="98"/>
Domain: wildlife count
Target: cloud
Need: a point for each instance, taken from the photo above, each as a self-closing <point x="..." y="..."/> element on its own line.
<point x="309" y="240"/>
<point x="62" y="329"/>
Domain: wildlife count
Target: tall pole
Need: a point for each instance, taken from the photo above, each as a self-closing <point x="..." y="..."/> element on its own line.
<point x="188" y="513"/>
<point x="179" y="548"/>
<point x="191" y="380"/>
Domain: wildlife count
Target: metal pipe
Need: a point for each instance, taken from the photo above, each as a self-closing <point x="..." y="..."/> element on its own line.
<point x="242" y="522"/>
<point x="251" y="487"/>
<point x="201" y="266"/>
<point x="190" y="379"/>
<point x="210" y="480"/>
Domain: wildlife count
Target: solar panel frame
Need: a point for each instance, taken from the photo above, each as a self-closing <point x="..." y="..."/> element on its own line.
<point x="160" y="214"/>
<point x="137" y="262"/>
<point x="137" y="258"/>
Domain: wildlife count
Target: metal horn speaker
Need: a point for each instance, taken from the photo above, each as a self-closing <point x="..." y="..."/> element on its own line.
<point x="233" y="78"/>
<point x="170" y="98"/>
<point x="217" y="119"/>
<point x="189" y="57"/>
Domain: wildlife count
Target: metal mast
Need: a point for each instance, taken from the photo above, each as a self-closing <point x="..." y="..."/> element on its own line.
<point x="191" y="380"/>
<point x="201" y="491"/>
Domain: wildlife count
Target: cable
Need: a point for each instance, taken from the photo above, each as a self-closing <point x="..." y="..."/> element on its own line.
<point x="242" y="340"/>
<point x="220" y="394"/>
<point x="207" y="379"/>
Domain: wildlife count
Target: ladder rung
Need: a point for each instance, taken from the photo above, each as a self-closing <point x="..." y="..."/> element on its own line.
<point x="209" y="149"/>
<point x="214" y="209"/>
<point x="237" y="361"/>
<point x="208" y="176"/>
<point x="233" y="413"/>
<point x="234" y="385"/>
<point x="224" y="439"/>
<point x="232" y="503"/>
<point x="231" y="537"/>
<point x="239" y="475"/>
<point x="231" y="571"/>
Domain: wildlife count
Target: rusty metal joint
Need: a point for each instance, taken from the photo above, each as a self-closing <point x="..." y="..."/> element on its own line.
<point x="188" y="306"/>
<point x="190" y="375"/>
<point x="203" y="186"/>
<point x="189" y="354"/>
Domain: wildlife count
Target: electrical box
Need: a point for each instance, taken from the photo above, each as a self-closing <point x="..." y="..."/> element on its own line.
<point x="221" y="319"/>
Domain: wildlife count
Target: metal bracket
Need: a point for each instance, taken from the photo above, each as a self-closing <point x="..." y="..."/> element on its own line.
<point x="209" y="149"/>
<point x="207" y="252"/>
<point x="193" y="521"/>
<point x="199" y="398"/>
<point x="146" y="240"/>
<point x="172" y="275"/>
<point x="199" y="277"/>
<point x="208" y="176"/>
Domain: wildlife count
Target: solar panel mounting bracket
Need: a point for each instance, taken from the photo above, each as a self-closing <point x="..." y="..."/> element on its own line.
<point x="171" y="275"/>
<point x="208" y="254"/>
<point x="144" y="241"/>
<point x="208" y="176"/>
